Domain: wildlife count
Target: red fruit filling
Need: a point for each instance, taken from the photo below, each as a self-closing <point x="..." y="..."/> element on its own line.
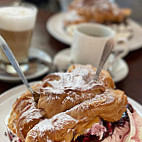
<point x="12" y="137"/>
<point x="88" y="137"/>
<point x="110" y="126"/>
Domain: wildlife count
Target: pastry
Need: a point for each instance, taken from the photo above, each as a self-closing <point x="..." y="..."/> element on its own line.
<point x="74" y="18"/>
<point x="73" y="108"/>
<point x="100" y="11"/>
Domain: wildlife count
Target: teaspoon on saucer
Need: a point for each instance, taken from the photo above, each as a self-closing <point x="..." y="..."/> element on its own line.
<point x="4" y="46"/>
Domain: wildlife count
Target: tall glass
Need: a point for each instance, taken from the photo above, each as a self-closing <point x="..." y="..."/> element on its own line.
<point x="16" y="26"/>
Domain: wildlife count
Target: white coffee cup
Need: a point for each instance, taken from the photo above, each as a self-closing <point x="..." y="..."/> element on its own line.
<point x="88" y="43"/>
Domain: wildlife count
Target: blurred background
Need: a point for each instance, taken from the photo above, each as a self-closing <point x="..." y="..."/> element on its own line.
<point x="44" y="41"/>
<point x="58" y="5"/>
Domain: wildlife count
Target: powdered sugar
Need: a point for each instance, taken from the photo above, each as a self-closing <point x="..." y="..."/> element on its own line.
<point x="59" y="122"/>
<point x="68" y="98"/>
<point x="73" y="15"/>
<point x="69" y="82"/>
<point x="31" y="113"/>
<point x="98" y="5"/>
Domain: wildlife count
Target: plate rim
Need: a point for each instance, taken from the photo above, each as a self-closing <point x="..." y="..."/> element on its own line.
<point x="50" y="30"/>
<point x="21" y="86"/>
<point x="36" y="75"/>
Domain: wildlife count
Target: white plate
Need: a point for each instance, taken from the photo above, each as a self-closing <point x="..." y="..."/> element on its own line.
<point x="9" y="97"/>
<point x="36" y="69"/>
<point x="63" y="60"/>
<point x="56" y="28"/>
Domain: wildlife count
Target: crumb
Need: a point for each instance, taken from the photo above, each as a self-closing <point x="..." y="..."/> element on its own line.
<point x="5" y="133"/>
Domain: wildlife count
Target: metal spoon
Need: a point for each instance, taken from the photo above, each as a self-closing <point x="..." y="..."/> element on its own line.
<point x="107" y="50"/>
<point x="4" y="46"/>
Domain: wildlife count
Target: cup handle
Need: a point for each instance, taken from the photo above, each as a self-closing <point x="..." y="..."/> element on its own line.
<point x="122" y="53"/>
<point x="115" y="58"/>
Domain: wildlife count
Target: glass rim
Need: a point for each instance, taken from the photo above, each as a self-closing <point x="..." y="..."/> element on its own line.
<point x="17" y="3"/>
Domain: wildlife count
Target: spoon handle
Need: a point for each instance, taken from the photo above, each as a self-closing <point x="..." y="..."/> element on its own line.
<point x="107" y="50"/>
<point x="4" y="46"/>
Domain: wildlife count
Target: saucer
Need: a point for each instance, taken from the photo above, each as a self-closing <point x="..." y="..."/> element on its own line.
<point x="63" y="60"/>
<point x="36" y="69"/>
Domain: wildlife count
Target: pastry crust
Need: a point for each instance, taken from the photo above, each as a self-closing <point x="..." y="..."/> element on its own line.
<point x="25" y="114"/>
<point x="100" y="11"/>
<point x="65" y="125"/>
<point x="89" y="72"/>
<point x="69" y="104"/>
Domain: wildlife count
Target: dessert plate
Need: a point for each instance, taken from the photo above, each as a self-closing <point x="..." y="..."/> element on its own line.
<point x="56" y="28"/>
<point x="119" y="70"/>
<point x="9" y="97"/>
<point x="36" y="69"/>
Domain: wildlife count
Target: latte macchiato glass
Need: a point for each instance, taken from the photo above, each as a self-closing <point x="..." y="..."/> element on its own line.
<point x="16" y="27"/>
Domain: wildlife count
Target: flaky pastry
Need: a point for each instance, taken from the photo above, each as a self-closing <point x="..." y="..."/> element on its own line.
<point x="100" y="11"/>
<point x="69" y="104"/>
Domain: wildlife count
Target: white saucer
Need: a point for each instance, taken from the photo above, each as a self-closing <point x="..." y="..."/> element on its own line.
<point x="63" y="60"/>
<point x="36" y="69"/>
<point x="56" y="28"/>
<point x="9" y="97"/>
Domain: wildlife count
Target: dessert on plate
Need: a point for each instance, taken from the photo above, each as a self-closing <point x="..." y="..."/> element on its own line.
<point x="73" y="107"/>
<point x="99" y="11"/>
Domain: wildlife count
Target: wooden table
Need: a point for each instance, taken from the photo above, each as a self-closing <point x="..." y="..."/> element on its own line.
<point x="132" y="84"/>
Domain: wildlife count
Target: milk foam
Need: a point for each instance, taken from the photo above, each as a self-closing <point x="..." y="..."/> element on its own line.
<point x="17" y="18"/>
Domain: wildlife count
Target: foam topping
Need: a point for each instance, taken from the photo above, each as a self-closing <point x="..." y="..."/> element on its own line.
<point x="17" y="18"/>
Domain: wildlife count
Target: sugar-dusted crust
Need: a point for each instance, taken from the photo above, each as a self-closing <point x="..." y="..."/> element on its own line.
<point x="25" y="114"/>
<point x="69" y="104"/>
<point x="65" y="125"/>
<point x="89" y="71"/>
<point x="73" y="18"/>
<point x="100" y="11"/>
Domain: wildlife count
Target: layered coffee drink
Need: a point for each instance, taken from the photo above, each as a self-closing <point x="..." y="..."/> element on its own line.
<point x="16" y="27"/>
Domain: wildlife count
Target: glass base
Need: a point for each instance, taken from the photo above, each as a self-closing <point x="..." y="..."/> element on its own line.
<point x="8" y="68"/>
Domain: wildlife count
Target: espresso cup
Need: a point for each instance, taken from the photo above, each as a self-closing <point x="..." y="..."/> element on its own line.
<point x="16" y="27"/>
<point x="88" y="43"/>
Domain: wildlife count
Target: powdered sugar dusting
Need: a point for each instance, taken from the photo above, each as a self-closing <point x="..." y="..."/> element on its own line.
<point x="58" y="123"/>
<point x="62" y="119"/>
<point x="48" y="140"/>
<point x="73" y="15"/>
<point x="33" y="134"/>
<point x="87" y="72"/>
<point x="102" y="5"/>
<point x="31" y="114"/>
<point x="69" y="82"/>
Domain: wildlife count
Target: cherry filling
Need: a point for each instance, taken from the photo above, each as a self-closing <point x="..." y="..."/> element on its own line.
<point x="12" y="137"/>
<point x="110" y="126"/>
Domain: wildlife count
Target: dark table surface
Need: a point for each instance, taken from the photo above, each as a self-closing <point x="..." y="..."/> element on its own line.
<point x="132" y="84"/>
